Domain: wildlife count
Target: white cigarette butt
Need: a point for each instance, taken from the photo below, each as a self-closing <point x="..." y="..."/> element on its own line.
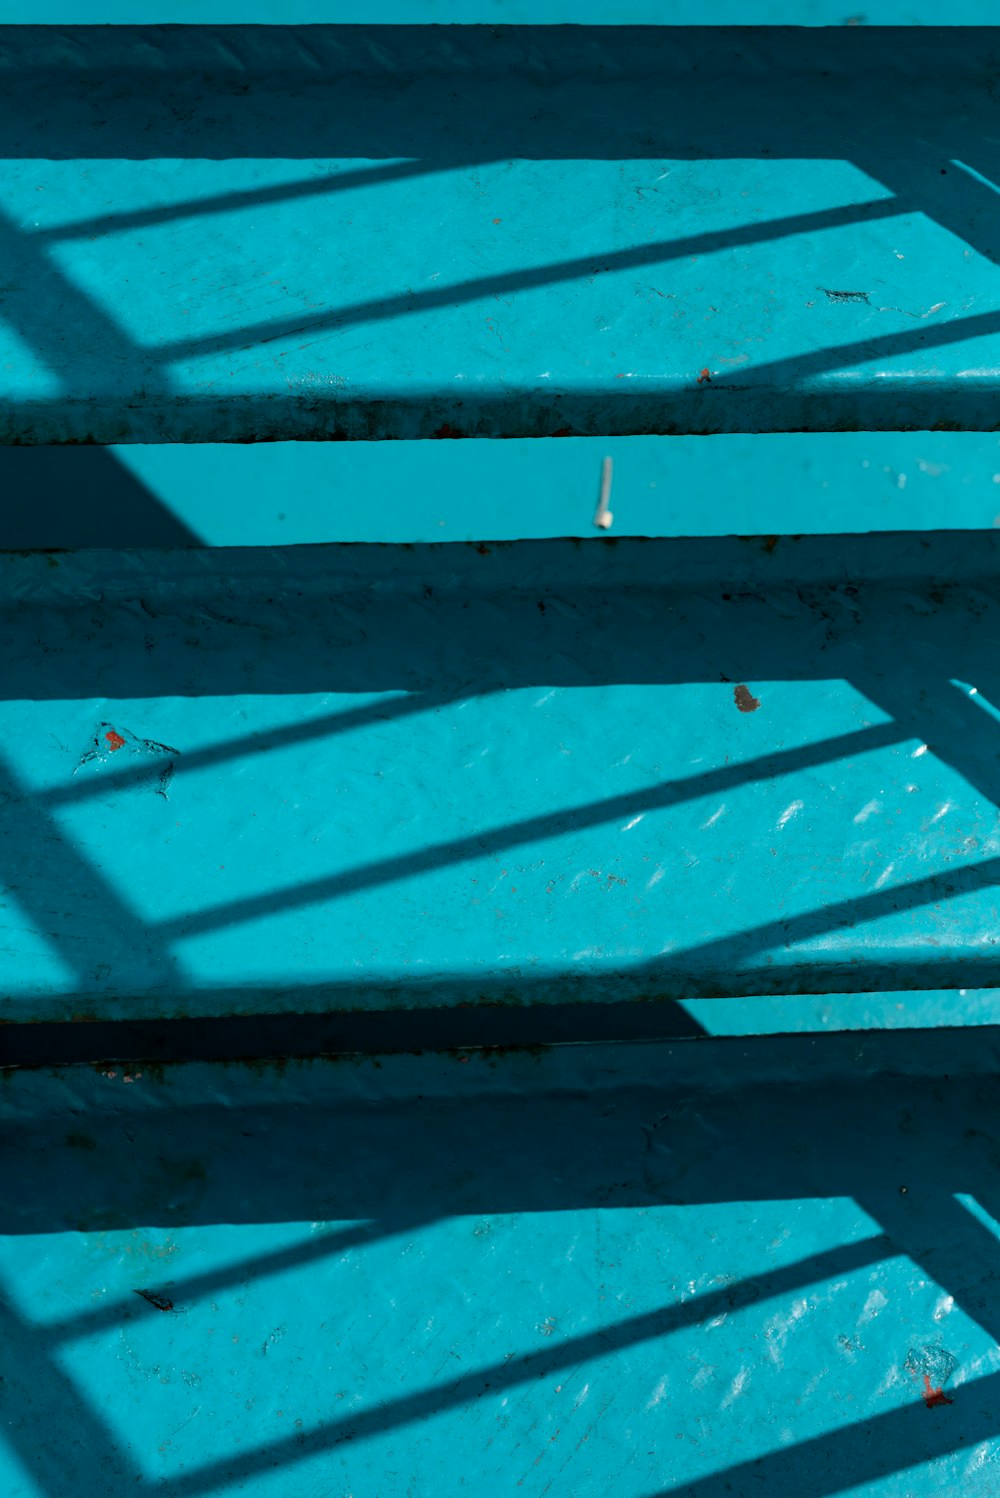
<point x="603" y="517"/>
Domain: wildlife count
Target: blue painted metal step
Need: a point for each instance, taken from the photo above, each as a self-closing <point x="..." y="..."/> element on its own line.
<point x="378" y="779"/>
<point x="246" y="233"/>
<point x="694" y="1270"/>
<point x="381" y="799"/>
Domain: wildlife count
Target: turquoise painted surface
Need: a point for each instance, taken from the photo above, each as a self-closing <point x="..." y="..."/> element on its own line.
<point x="294" y="493"/>
<point x="223" y="495"/>
<point x="366" y="778"/>
<point x="647" y="1270"/>
<point x="704" y="1268"/>
<point x="188" y="232"/>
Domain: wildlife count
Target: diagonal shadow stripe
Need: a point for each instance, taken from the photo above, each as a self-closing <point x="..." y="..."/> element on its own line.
<point x="383" y="710"/>
<point x="40" y="1403"/>
<point x="865" y="1452"/>
<point x="251" y="197"/>
<point x="529" y="830"/>
<point x="659" y="252"/>
<point x="193" y="1287"/>
<point x="498" y="1377"/>
<point x="69" y="902"/>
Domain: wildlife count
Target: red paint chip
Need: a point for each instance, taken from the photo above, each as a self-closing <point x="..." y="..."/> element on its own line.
<point x="934" y="1396"/>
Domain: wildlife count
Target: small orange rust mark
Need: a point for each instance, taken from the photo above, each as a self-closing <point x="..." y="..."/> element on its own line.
<point x="563" y="432"/>
<point x="745" y="700"/>
<point x="114" y="740"/>
<point x="498" y="220"/>
<point x="705" y="378"/>
<point x="934" y="1396"/>
<point x="484" y="551"/>
<point x="447" y="430"/>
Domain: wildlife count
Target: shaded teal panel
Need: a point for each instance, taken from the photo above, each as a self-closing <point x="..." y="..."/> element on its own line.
<point x="697" y="1269"/>
<point x="521" y="12"/>
<point x="263" y="233"/>
<point x="373" y="777"/>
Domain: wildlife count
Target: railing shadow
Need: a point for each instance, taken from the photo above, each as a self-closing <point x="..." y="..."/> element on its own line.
<point x="900" y="1122"/>
<point x="402" y="639"/>
<point x="458" y="102"/>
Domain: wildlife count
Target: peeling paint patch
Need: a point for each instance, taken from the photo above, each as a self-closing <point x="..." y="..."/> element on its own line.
<point x="156" y="758"/>
<point x="745" y="700"/>
<point x="933" y="1365"/>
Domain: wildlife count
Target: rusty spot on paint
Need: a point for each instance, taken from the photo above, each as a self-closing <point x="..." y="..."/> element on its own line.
<point x="563" y="432"/>
<point x="770" y="542"/>
<point x="498" y="220"/>
<point x="160" y="1302"/>
<point x="447" y="430"/>
<point x="705" y="378"/>
<point x="483" y="549"/>
<point x="745" y="700"/>
<point x="114" y="740"/>
<point x="934" y="1396"/>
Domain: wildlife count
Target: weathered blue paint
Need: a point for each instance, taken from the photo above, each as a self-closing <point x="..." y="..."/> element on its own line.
<point x="373" y="777"/>
<point x="696" y="1269"/>
<point x="245" y="233"/>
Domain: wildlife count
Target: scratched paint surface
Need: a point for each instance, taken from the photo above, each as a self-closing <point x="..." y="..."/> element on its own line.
<point x="705" y="1268"/>
<point x="368" y="777"/>
<point x="576" y="231"/>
